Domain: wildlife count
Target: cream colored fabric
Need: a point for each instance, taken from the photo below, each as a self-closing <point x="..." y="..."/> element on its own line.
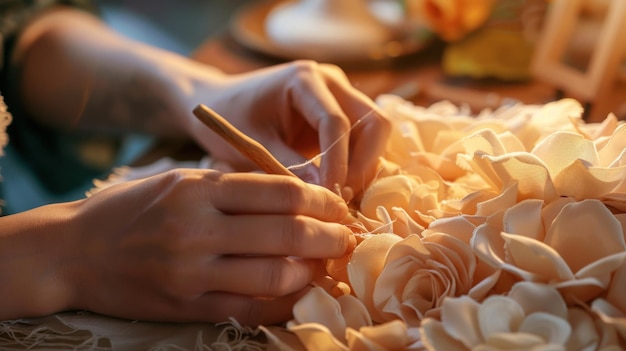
<point x="87" y="331"/>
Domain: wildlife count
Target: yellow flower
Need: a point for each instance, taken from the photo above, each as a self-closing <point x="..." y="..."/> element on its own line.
<point x="451" y="19"/>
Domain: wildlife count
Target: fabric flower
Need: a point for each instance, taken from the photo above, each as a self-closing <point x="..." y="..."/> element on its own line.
<point x="561" y="164"/>
<point x="408" y="278"/>
<point x="531" y="316"/>
<point x="322" y="322"/>
<point x="574" y="246"/>
<point x="425" y="136"/>
<point x="418" y="195"/>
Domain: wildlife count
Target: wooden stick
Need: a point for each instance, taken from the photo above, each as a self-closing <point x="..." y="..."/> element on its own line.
<point x="249" y="147"/>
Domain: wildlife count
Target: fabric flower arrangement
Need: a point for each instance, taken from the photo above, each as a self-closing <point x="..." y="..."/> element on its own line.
<point x="501" y="231"/>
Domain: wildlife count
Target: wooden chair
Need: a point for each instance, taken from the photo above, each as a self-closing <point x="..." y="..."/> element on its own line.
<point x="593" y="84"/>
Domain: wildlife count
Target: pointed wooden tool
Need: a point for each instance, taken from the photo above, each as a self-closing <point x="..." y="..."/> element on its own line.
<point x="249" y="147"/>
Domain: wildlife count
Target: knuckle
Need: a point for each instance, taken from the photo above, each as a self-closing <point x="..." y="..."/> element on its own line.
<point x="292" y="229"/>
<point x="305" y="66"/>
<point x="382" y="123"/>
<point x="274" y="278"/>
<point x="294" y="194"/>
<point x="173" y="184"/>
<point x="333" y="70"/>
<point x="172" y="177"/>
<point x="338" y="121"/>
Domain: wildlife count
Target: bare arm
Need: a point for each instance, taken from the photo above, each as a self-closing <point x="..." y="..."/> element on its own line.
<point x="186" y="245"/>
<point x="78" y="73"/>
<point x="35" y="254"/>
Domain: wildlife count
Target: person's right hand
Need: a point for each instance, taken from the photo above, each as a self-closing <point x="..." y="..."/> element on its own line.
<point x="200" y="245"/>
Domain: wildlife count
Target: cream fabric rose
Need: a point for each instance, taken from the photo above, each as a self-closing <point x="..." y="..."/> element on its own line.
<point x="418" y="195"/>
<point x="322" y="322"/>
<point x="562" y="163"/>
<point x="531" y="316"/>
<point x="408" y="278"/>
<point x="574" y="246"/>
<point x="425" y="136"/>
<point x="486" y="231"/>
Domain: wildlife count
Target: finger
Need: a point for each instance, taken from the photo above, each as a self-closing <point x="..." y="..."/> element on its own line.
<point x="215" y="307"/>
<point x="267" y="276"/>
<point x="296" y="163"/>
<point x="369" y="142"/>
<point x="313" y="100"/>
<point x="370" y="131"/>
<point x="250" y="193"/>
<point x="251" y="311"/>
<point x="277" y="235"/>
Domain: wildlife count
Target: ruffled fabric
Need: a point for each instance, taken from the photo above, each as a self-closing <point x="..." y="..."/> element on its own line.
<point x="5" y="120"/>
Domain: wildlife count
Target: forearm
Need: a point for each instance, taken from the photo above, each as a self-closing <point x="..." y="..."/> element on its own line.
<point x="35" y="262"/>
<point x="77" y="73"/>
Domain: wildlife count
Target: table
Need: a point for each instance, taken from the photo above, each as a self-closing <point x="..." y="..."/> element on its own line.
<point x="417" y="77"/>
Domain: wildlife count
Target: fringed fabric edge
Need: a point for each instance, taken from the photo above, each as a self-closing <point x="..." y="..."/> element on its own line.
<point x="87" y="331"/>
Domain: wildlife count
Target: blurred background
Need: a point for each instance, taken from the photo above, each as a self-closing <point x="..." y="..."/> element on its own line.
<point x="477" y="54"/>
<point x="177" y="25"/>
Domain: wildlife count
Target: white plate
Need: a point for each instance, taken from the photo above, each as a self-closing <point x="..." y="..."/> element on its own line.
<point x="248" y="29"/>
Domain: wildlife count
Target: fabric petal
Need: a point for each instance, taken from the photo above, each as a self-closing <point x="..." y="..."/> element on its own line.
<point x="435" y="338"/>
<point x="534" y="297"/>
<point x="365" y="265"/>
<point x="459" y="227"/>
<point x="317" y="337"/>
<point x="552" y="329"/>
<point x="499" y="314"/>
<point x="581" y="180"/>
<point x="561" y="149"/>
<point x="387" y="336"/>
<point x="488" y="244"/>
<point x="354" y="312"/>
<point x="616" y="291"/>
<point x="393" y="191"/>
<point x="460" y="320"/>
<point x="524" y="218"/>
<point x="585" y="232"/>
<point x="319" y="307"/>
<point x="536" y="257"/>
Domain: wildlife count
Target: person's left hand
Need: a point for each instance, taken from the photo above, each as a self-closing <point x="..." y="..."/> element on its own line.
<point x="298" y="110"/>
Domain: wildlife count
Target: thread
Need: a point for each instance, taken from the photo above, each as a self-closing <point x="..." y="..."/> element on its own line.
<point x="321" y="154"/>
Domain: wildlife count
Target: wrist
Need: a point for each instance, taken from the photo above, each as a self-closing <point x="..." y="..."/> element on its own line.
<point x="36" y="260"/>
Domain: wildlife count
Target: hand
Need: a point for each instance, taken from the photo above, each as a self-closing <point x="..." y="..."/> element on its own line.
<point x="200" y="245"/>
<point x="96" y="79"/>
<point x="296" y="111"/>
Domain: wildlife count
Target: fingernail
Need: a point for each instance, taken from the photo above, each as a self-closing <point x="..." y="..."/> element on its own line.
<point x="351" y="243"/>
